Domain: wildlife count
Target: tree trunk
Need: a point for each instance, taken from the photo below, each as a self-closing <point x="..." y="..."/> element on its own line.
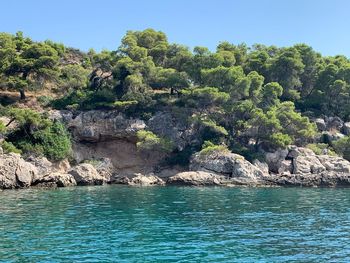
<point x="22" y="94"/>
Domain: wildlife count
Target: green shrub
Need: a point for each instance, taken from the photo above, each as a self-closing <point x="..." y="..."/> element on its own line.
<point x="148" y="141"/>
<point x="8" y="147"/>
<point x="208" y="148"/>
<point x="321" y="148"/>
<point x="342" y="147"/>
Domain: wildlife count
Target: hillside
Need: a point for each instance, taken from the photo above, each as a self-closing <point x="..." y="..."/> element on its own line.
<point x="250" y="101"/>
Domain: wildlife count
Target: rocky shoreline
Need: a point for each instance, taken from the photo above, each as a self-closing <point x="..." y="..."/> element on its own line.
<point x="296" y="166"/>
<point x="104" y="152"/>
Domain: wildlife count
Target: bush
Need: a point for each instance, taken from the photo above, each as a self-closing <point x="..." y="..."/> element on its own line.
<point x="321" y="148"/>
<point x="38" y="135"/>
<point x="148" y="141"/>
<point x="208" y="148"/>
<point x="342" y="147"/>
<point x="8" y="147"/>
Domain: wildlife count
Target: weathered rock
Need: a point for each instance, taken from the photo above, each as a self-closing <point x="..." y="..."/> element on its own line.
<point x="321" y="124"/>
<point x="145" y="180"/>
<point x="62" y="166"/>
<point x="307" y="164"/>
<point x="274" y="160"/>
<point x="334" y="123"/>
<point x="286" y="167"/>
<point x="105" y="168"/>
<point x="96" y="125"/>
<point x="56" y="180"/>
<point x="262" y="166"/>
<point x="42" y="165"/>
<point x="295" y="151"/>
<point x="194" y="178"/>
<point x="15" y="172"/>
<point x="331" y="136"/>
<point x="324" y="179"/>
<point x="178" y="131"/>
<point x="86" y="174"/>
<point x="225" y="163"/>
<point x="334" y="163"/>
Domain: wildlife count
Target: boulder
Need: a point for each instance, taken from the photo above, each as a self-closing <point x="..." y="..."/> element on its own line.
<point x="194" y="178"/>
<point x="225" y="163"/>
<point x="307" y="164"/>
<point x="286" y="167"/>
<point x="86" y="174"/>
<point x="334" y="123"/>
<point x="62" y="166"/>
<point x="334" y="163"/>
<point x="295" y="151"/>
<point x="320" y="124"/>
<point x="104" y="167"/>
<point x="262" y="166"/>
<point x="42" y="165"/>
<point x="145" y="180"/>
<point x="56" y="180"/>
<point x="274" y="159"/>
<point x="15" y="172"/>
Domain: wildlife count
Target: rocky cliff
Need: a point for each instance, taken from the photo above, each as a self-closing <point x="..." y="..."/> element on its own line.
<point x="105" y="151"/>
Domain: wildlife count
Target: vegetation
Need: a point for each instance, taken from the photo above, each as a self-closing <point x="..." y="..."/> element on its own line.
<point x="35" y="134"/>
<point x="247" y="98"/>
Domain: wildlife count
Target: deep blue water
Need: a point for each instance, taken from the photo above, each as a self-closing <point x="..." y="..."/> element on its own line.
<point x="175" y="224"/>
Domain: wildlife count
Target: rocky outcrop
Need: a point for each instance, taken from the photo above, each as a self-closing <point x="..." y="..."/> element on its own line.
<point x="56" y="180"/>
<point x="86" y="174"/>
<point x="15" y="172"/>
<point x="195" y="178"/>
<point x="96" y="125"/>
<point x="178" y="131"/>
<point x="305" y="168"/>
<point x="140" y="180"/>
<point x="226" y="164"/>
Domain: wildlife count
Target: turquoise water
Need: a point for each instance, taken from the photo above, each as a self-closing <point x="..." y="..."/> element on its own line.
<point x="175" y="224"/>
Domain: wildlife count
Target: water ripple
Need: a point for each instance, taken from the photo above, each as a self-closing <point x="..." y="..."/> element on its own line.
<point x="175" y="224"/>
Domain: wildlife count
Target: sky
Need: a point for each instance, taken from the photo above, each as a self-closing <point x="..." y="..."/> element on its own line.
<point x="100" y="24"/>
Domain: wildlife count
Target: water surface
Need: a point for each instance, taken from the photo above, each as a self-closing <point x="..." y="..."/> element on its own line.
<point x="175" y="224"/>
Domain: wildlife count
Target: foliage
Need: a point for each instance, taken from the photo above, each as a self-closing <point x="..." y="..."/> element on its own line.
<point x="36" y="134"/>
<point x="8" y="147"/>
<point x="342" y="147"/>
<point x="208" y="147"/>
<point x="148" y="141"/>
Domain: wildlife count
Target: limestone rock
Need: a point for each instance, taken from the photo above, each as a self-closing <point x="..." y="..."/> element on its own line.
<point x="86" y="174"/>
<point x="145" y="180"/>
<point x="42" y="165"/>
<point x="321" y="124"/>
<point x="225" y="163"/>
<point x="167" y="125"/>
<point x="15" y="172"/>
<point x="334" y="163"/>
<point x="97" y="125"/>
<point x="194" y="178"/>
<point x="56" y="180"/>
<point x="274" y="160"/>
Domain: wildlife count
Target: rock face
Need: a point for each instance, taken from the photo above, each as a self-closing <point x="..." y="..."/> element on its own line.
<point x="15" y="172"/>
<point x="226" y="164"/>
<point x="86" y="174"/>
<point x="56" y="180"/>
<point x="94" y="126"/>
<point x="101" y="134"/>
<point x="195" y="178"/>
<point x="166" y="125"/>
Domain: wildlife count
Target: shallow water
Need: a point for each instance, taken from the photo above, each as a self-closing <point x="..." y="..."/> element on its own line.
<point x="175" y="224"/>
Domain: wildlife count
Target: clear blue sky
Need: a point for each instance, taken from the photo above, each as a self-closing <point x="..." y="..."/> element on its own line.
<point x="323" y="24"/>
